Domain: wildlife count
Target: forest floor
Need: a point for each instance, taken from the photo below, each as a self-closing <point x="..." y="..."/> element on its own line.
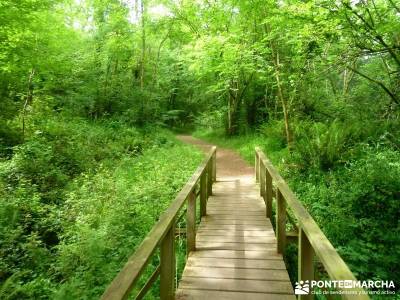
<point x="229" y="162"/>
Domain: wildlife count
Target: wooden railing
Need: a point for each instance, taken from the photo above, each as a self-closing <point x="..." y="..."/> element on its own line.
<point x="162" y="236"/>
<point x="311" y="240"/>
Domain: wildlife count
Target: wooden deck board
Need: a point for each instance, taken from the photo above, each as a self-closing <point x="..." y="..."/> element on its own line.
<point x="236" y="217"/>
<point x="230" y="227"/>
<point x="213" y="211"/>
<point x="233" y="221"/>
<point x="235" y="255"/>
<point x="245" y="233"/>
<point x="192" y="294"/>
<point x="236" y="239"/>
<point x="232" y="273"/>
<point x="236" y="263"/>
<point x="262" y="254"/>
<point x="234" y="246"/>
<point x="239" y="285"/>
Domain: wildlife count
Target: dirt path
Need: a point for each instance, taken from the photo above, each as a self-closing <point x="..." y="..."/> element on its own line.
<point x="229" y="163"/>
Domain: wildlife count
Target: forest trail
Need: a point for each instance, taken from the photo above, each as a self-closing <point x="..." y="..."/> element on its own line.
<point x="229" y="163"/>
<point x="235" y="255"/>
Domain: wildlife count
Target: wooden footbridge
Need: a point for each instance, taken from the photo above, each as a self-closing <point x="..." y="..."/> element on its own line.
<point x="233" y="250"/>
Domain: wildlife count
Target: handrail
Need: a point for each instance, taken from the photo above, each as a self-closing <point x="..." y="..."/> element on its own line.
<point x="311" y="240"/>
<point x="162" y="236"/>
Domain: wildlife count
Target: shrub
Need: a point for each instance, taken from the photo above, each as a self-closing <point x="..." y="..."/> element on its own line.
<point x="360" y="216"/>
<point x="211" y="120"/>
<point x="325" y="145"/>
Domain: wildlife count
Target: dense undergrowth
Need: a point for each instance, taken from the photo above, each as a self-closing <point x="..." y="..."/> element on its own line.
<point x="351" y="189"/>
<point x="77" y="198"/>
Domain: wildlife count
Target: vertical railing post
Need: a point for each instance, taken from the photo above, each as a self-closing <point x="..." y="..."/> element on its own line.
<point x="268" y="193"/>
<point x="262" y="180"/>
<point x="215" y="166"/>
<point x="167" y="262"/>
<point x="305" y="262"/>
<point x="209" y="178"/>
<point x="191" y="223"/>
<point x="203" y="194"/>
<point x="257" y="165"/>
<point x="280" y="221"/>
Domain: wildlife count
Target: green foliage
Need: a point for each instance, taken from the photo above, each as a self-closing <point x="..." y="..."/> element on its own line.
<point x="324" y="145"/>
<point x="110" y="213"/>
<point x="213" y="120"/>
<point x="9" y="137"/>
<point x="351" y="211"/>
<point x="77" y="198"/>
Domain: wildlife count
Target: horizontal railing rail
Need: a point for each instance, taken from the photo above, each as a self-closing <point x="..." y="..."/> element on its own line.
<point x="162" y="236"/>
<point x="311" y="240"/>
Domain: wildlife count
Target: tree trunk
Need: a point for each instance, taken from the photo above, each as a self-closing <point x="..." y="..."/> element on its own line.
<point x="28" y="100"/>
<point x="106" y="79"/>
<point x="289" y="136"/>
<point x="233" y="99"/>
<point x="231" y="113"/>
<point x="347" y="77"/>
<point x="142" y="11"/>
<point x="155" y="71"/>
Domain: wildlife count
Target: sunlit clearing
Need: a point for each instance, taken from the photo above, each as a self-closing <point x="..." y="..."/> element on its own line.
<point x="159" y="11"/>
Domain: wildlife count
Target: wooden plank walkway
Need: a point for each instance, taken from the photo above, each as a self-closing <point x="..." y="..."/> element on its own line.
<point x="236" y="256"/>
